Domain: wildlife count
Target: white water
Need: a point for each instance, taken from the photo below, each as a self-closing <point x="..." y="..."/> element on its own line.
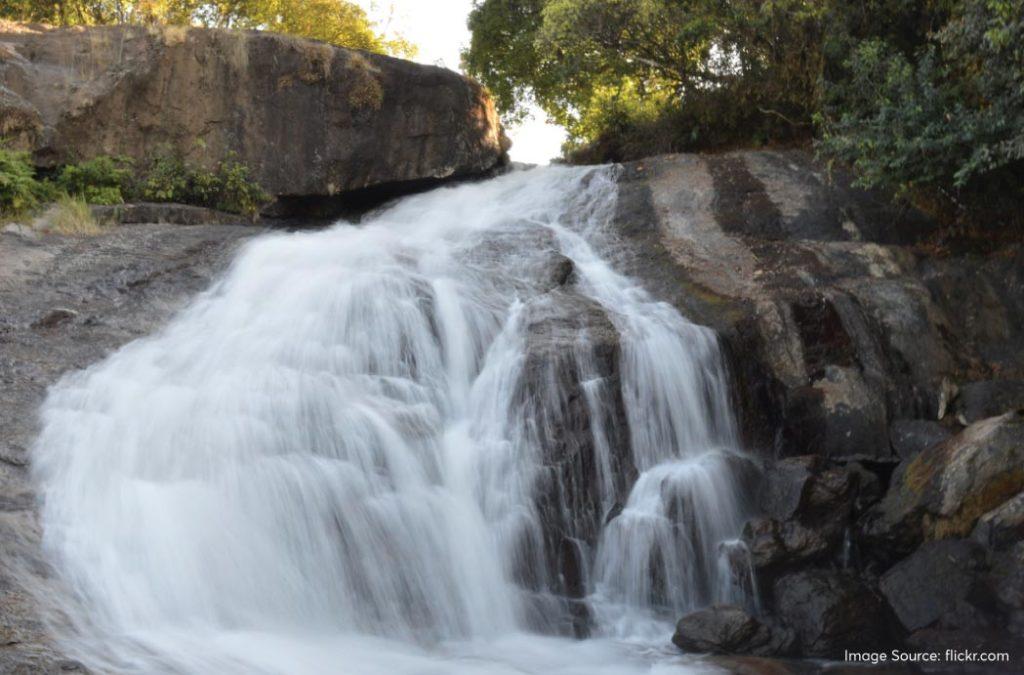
<point x="328" y="462"/>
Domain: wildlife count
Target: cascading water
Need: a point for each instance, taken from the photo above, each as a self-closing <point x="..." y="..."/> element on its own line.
<point x="332" y="461"/>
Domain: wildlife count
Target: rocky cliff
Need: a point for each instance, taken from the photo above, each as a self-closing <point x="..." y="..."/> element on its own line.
<point x="879" y="380"/>
<point x="310" y="119"/>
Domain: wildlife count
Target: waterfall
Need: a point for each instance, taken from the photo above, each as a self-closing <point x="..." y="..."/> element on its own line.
<point x="438" y="441"/>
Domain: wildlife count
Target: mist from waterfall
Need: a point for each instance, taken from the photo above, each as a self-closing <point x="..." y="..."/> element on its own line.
<point x="333" y="460"/>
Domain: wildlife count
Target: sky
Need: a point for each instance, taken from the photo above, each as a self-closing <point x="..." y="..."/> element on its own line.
<point x="438" y="28"/>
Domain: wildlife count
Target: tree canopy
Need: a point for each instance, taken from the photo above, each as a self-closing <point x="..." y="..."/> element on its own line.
<point x="914" y="94"/>
<point x="336" y="21"/>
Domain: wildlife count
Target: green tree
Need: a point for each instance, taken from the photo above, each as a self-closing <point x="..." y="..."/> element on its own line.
<point x="599" y="66"/>
<point x="947" y="114"/>
<point x="339" y="22"/>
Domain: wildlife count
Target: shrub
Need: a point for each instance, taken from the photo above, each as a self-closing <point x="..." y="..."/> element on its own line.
<point x="228" y="188"/>
<point x="103" y="180"/>
<point x="19" y="189"/>
<point x="166" y="179"/>
<point x="238" y="192"/>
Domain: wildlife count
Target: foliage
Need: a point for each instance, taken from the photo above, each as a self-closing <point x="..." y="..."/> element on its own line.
<point x="339" y="22"/>
<point x="228" y="188"/>
<point x="103" y="180"/>
<point x="577" y="58"/>
<point x="948" y="114"/>
<point x="924" y="96"/>
<point x="19" y="189"/>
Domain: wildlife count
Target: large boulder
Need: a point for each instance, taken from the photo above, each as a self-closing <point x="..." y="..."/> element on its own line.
<point x="944" y="491"/>
<point x="909" y="437"/>
<point x="308" y="118"/>
<point x="808" y="509"/>
<point x="936" y="581"/>
<point x="728" y="629"/>
<point x="831" y="612"/>
<point x="988" y="398"/>
<point x="1003" y="526"/>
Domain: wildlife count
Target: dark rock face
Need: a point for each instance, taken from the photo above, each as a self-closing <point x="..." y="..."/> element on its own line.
<point x="310" y="119"/>
<point x="809" y="509"/>
<point x="837" y="322"/>
<point x="65" y="303"/>
<point x="909" y="437"/>
<point x="727" y="629"/>
<point x="1003" y="526"/>
<point x="570" y="341"/>
<point x="978" y="400"/>
<point x="936" y="581"/>
<point x="831" y="612"/>
<point x="858" y="357"/>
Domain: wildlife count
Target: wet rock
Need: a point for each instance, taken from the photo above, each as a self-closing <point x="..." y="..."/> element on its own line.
<point x="784" y="485"/>
<point x="570" y="342"/>
<point x="367" y="120"/>
<point x="728" y="629"/>
<point x="774" y="544"/>
<point x="909" y="437"/>
<point x="831" y="612"/>
<point x="837" y="415"/>
<point x="1003" y="526"/>
<point x="943" y="491"/>
<point x="934" y="581"/>
<point x="808" y="511"/>
<point x="980" y="400"/>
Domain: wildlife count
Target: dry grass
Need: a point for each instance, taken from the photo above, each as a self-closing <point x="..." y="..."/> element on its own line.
<point x="69" y="217"/>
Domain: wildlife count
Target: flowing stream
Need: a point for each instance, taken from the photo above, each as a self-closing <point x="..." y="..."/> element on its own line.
<point x="441" y="441"/>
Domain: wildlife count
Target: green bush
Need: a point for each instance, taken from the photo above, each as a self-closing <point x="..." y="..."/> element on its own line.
<point x="238" y="192"/>
<point x="166" y="180"/>
<point x="228" y="188"/>
<point x="19" y="189"/>
<point x="103" y="180"/>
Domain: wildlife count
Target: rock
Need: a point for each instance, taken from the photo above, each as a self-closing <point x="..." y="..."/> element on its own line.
<point x="728" y="629"/>
<point x="570" y="340"/>
<point x="54" y="318"/>
<point x="943" y="491"/>
<point x="170" y="214"/>
<point x="808" y="511"/>
<point x="837" y="415"/>
<point x="979" y="400"/>
<point x="1006" y="583"/>
<point x="1003" y="526"/>
<point x="774" y="545"/>
<point x="308" y="118"/>
<point x="831" y="335"/>
<point x="784" y="485"/>
<point x="909" y="437"/>
<point x="933" y="581"/>
<point x="21" y="230"/>
<point x="831" y="612"/>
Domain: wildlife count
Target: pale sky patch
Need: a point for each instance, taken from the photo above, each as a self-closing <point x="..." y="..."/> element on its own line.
<point x="438" y="28"/>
